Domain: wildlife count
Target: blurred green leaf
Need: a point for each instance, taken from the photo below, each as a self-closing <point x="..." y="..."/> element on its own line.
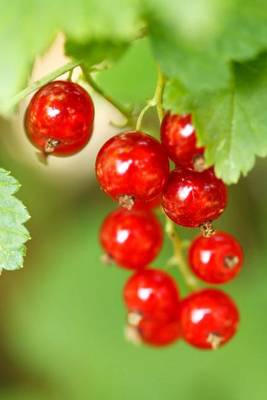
<point x="195" y="41"/>
<point x="132" y="79"/>
<point x="230" y="123"/>
<point x="13" y="234"/>
<point x="95" y="52"/>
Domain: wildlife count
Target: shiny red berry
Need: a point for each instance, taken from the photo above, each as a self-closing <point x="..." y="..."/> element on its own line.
<point x="132" y="166"/>
<point x="156" y="332"/>
<point x="216" y="259"/>
<point x="131" y="238"/>
<point x="179" y="138"/>
<point x="192" y="198"/>
<point x="59" y="118"/>
<point x="152" y="293"/>
<point x="209" y="318"/>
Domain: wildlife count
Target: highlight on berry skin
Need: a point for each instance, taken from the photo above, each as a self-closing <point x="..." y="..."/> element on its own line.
<point x="59" y="118"/>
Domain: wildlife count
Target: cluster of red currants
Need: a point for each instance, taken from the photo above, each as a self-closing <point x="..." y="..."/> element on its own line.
<point x="133" y="169"/>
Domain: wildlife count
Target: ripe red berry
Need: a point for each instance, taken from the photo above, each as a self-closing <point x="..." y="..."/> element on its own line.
<point x="216" y="259"/>
<point x="152" y="293"/>
<point x="192" y="198"/>
<point x="156" y="332"/>
<point x="179" y="138"/>
<point x="148" y="205"/>
<point x="59" y="118"/>
<point x="209" y="318"/>
<point x="131" y="238"/>
<point x="132" y="166"/>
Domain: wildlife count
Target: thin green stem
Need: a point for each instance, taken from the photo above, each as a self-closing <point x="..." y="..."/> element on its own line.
<point x="40" y="82"/>
<point x="123" y="110"/>
<point x="156" y="101"/>
<point x="178" y="256"/>
<point x="141" y="115"/>
<point x="159" y="94"/>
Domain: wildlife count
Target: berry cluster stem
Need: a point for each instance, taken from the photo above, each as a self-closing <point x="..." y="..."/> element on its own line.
<point x="156" y="101"/>
<point x="122" y="109"/>
<point x="178" y="258"/>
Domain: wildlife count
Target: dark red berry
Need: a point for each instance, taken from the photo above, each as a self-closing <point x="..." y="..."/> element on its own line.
<point x="156" y="332"/>
<point x="216" y="259"/>
<point x="192" y="198"/>
<point x="132" y="166"/>
<point x="209" y="318"/>
<point x="131" y="238"/>
<point x="179" y="138"/>
<point x="152" y="293"/>
<point x="59" y="118"/>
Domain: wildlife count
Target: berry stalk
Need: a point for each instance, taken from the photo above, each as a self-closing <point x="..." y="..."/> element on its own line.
<point x="123" y="110"/>
<point x="156" y="101"/>
<point x="178" y="258"/>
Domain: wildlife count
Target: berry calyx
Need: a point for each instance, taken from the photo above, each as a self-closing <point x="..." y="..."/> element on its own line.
<point x="216" y="259"/>
<point x="209" y="319"/>
<point x="132" y="166"/>
<point x="152" y="293"/>
<point x="132" y="239"/>
<point x="192" y="198"/>
<point x="179" y="138"/>
<point x="59" y="118"/>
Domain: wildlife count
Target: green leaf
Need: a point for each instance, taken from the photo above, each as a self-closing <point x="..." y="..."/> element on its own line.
<point x="195" y="41"/>
<point x="96" y="52"/>
<point x="13" y="215"/>
<point x="231" y="123"/>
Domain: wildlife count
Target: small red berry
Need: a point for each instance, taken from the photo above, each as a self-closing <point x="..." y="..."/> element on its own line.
<point x="131" y="238"/>
<point x="59" y="118"/>
<point x="132" y="166"/>
<point x="192" y="198"/>
<point x="216" y="259"/>
<point x="156" y="332"/>
<point x="179" y="138"/>
<point x="148" y="205"/>
<point x="152" y="293"/>
<point x="209" y="318"/>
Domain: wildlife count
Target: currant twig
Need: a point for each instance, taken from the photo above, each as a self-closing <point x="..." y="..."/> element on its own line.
<point x="156" y="101"/>
<point x="41" y="82"/>
<point x="178" y="257"/>
<point x="123" y="110"/>
<point x="159" y="94"/>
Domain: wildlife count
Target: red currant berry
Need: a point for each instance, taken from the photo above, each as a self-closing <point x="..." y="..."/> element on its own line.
<point x="148" y="205"/>
<point x="192" y="198"/>
<point x="156" y="332"/>
<point x="59" y="118"/>
<point x="216" y="259"/>
<point x="132" y="166"/>
<point x="209" y="318"/>
<point x="152" y="293"/>
<point x="131" y="238"/>
<point x="179" y="138"/>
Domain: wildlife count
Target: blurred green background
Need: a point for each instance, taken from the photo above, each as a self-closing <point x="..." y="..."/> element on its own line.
<point x="62" y="317"/>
